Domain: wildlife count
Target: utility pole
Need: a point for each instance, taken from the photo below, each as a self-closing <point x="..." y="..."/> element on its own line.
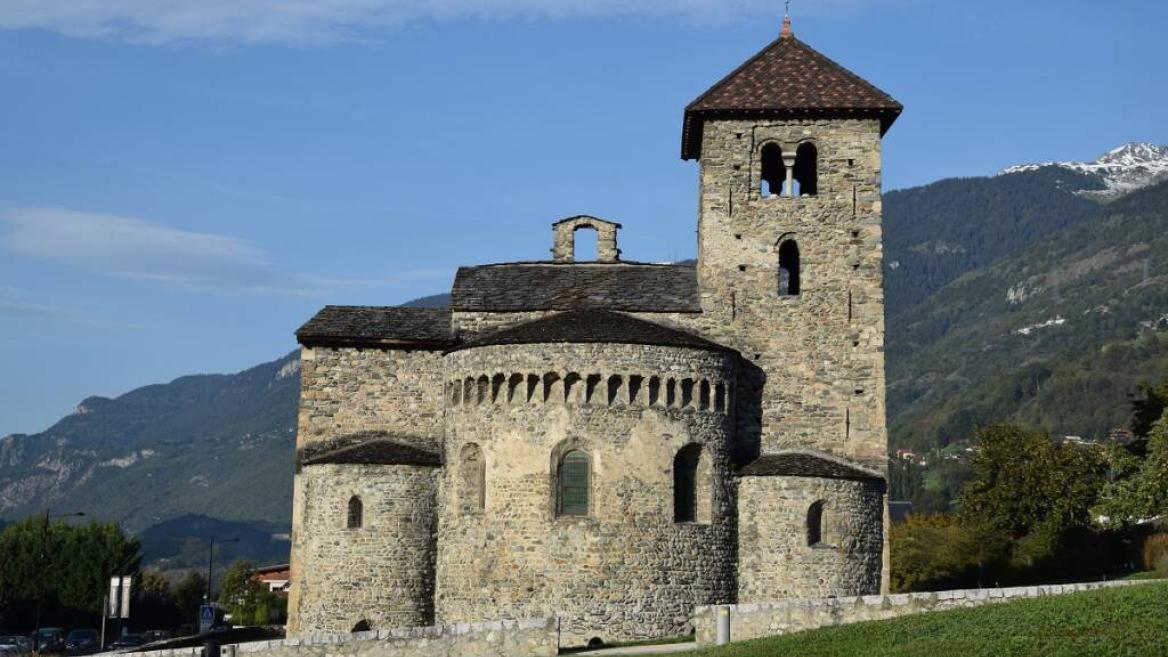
<point x="211" y="560"/>
<point x="40" y="579"/>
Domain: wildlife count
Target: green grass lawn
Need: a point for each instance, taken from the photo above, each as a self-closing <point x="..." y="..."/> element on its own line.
<point x="1126" y="621"/>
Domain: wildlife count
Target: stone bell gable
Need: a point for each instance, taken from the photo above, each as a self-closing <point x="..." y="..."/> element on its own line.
<point x="615" y="442"/>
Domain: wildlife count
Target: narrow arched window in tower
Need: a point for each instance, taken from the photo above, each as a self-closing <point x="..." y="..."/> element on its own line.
<point x="789" y="283"/>
<point x="572" y="484"/>
<point x="774" y="172"/>
<point x="472" y="479"/>
<point x="806" y="170"/>
<point x="815" y="524"/>
<point x="685" y="473"/>
<point x="356" y="513"/>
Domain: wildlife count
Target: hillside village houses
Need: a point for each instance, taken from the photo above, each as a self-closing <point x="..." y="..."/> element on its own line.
<point x="614" y="443"/>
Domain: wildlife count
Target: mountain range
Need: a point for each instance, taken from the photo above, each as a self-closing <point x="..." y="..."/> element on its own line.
<point x="1038" y="295"/>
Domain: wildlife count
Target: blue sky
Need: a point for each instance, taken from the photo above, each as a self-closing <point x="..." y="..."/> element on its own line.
<point x="182" y="186"/>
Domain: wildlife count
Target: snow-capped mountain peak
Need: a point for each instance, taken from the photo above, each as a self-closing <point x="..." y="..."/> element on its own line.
<point x="1124" y="169"/>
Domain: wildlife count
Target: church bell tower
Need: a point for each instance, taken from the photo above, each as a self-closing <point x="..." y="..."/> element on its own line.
<point x="790" y="246"/>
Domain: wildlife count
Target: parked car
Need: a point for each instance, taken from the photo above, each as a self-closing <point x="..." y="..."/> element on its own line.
<point x="150" y="636"/>
<point x="127" y="641"/>
<point x="49" y="639"/>
<point x="82" y="642"/>
<point x="20" y="646"/>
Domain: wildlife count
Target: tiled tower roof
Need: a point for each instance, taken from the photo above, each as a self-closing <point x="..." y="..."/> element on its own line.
<point x="788" y="78"/>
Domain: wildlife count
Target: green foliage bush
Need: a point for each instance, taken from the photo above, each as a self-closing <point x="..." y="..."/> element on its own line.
<point x="1155" y="553"/>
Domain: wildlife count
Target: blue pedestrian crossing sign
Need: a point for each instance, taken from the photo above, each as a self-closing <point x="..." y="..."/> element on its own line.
<point x="206" y="617"/>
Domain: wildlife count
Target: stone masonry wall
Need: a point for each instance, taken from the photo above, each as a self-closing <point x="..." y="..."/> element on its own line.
<point x="775" y="559"/>
<point x="528" y="638"/>
<point x="626" y="569"/>
<point x="381" y="572"/>
<point x="349" y="390"/>
<point x="751" y="621"/>
<point x="346" y="390"/>
<point x="819" y="355"/>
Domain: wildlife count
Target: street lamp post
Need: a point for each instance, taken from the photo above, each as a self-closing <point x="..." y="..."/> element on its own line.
<point x="36" y="635"/>
<point x="211" y="560"/>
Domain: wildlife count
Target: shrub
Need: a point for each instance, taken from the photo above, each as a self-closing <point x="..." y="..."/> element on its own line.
<point x="1155" y="553"/>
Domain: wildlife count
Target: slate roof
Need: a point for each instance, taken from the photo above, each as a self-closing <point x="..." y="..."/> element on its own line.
<point x="371" y="448"/>
<point x="802" y="464"/>
<point x="786" y="78"/>
<point x="630" y="287"/>
<point x="378" y="326"/>
<point x="592" y="326"/>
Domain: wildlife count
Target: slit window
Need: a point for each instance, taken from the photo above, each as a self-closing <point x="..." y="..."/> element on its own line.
<point x="573" y="484"/>
<point x="815" y="524"/>
<point x="789" y="274"/>
<point x="685" y="474"/>
<point x="356" y="516"/>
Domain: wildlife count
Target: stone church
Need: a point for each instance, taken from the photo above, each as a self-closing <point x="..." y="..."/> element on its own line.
<point x="613" y="442"/>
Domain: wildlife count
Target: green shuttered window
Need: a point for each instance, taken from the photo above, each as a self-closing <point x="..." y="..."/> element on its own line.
<point x="573" y="480"/>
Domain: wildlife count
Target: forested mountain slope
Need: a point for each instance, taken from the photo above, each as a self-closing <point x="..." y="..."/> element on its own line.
<point x="1054" y="336"/>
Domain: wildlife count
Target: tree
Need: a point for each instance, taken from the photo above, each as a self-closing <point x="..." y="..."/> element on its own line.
<point x="240" y="593"/>
<point x="65" y="565"/>
<point x="188" y="595"/>
<point x="1140" y="491"/>
<point x="1149" y="407"/>
<point x="1023" y="480"/>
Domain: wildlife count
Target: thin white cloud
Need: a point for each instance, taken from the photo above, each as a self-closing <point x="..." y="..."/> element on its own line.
<point x="327" y="21"/>
<point x="134" y="249"/>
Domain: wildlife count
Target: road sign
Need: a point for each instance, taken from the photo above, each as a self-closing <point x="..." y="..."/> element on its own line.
<point x="206" y="618"/>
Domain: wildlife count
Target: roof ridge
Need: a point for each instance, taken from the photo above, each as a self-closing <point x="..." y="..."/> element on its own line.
<point x="581" y="327"/>
<point x="735" y="72"/>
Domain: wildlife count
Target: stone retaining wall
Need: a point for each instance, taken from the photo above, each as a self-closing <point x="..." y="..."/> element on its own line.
<point x="750" y="621"/>
<point x="525" y="638"/>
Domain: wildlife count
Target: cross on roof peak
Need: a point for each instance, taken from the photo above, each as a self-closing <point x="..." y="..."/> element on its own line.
<point x="787" y="33"/>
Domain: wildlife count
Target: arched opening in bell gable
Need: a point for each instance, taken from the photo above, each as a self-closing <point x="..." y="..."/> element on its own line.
<point x="585" y="244"/>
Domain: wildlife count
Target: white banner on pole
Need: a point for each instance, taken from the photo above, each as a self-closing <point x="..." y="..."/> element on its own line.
<point x="115" y="597"/>
<point x="119" y="597"/>
<point x="127" y="581"/>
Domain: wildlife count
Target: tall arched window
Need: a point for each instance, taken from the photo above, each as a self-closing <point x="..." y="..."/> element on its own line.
<point x="472" y="479"/>
<point x="774" y="172"/>
<point x="789" y="283"/>
<point x="815" y="524"/>
<point x="356" y="513"/>
<point x="685" y="489"/>
<point x="573" y="484"/>
<point x="806" y="170"/>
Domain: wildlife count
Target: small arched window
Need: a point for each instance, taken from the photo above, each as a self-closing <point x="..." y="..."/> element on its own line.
<point x="774" y="172"/>
<point x="806" y="170"/>
<point x="685" y="474"/>
<point x="789" y="283"/>
<point x="361" y="626"/>
<point x="356" y="515"/>
<point x="815" y="524"/>
<point x="473" y="479"/>
<point x="573" y="484"/>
